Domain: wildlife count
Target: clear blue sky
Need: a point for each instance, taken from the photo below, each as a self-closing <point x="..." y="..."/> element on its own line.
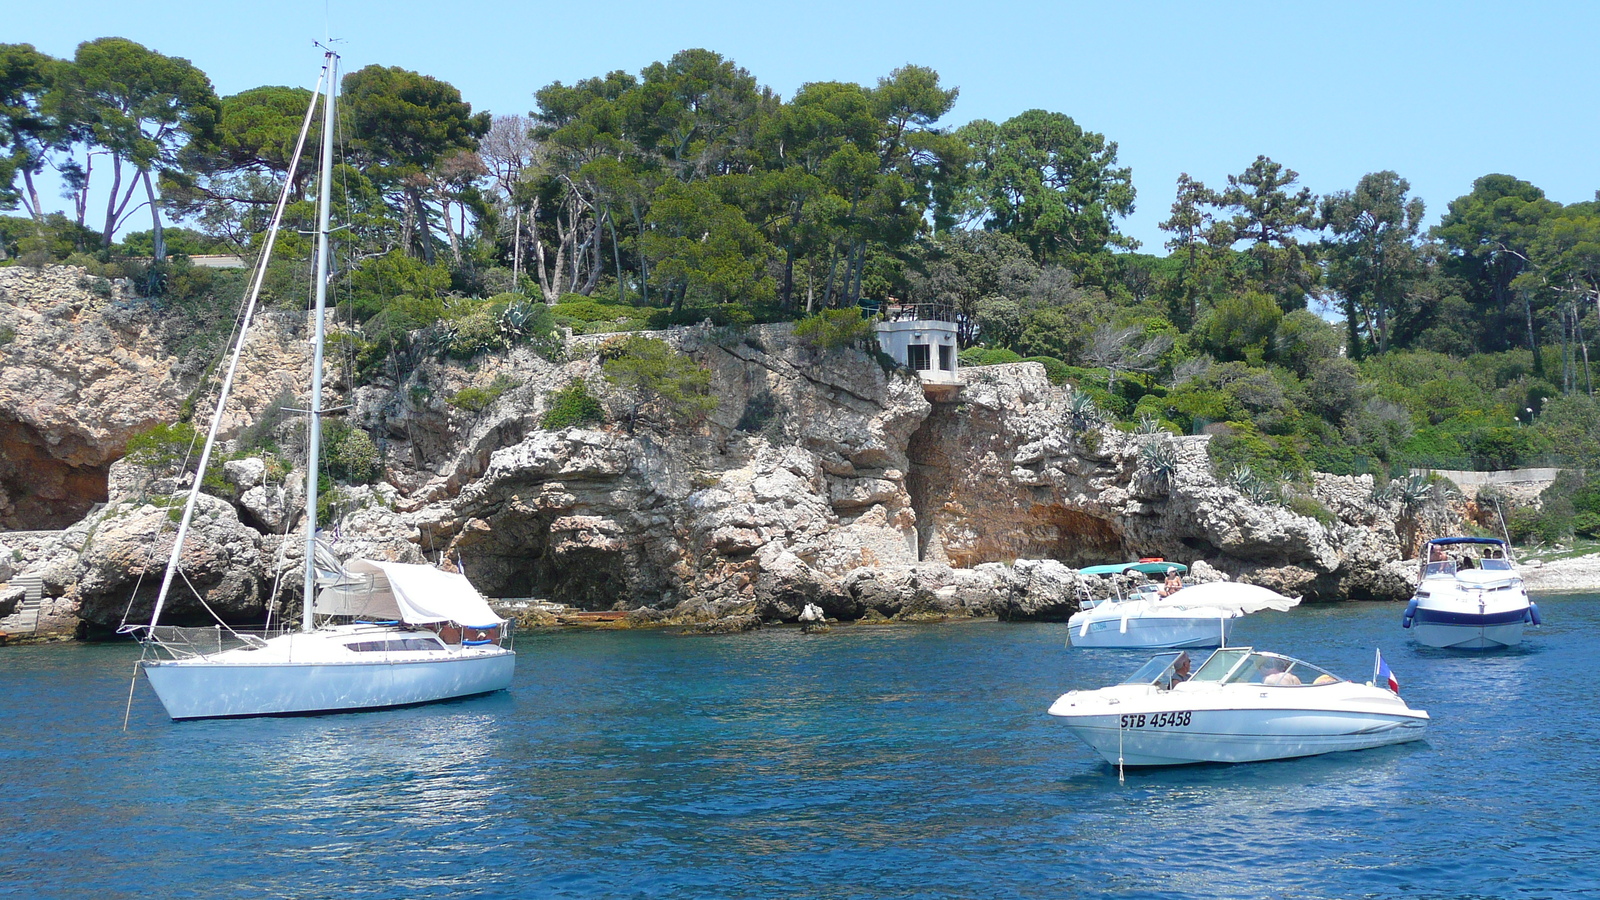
<point x="1440" y="92"/>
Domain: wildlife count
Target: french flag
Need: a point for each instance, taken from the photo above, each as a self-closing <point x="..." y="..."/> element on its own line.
<point x="1382" y="675"/>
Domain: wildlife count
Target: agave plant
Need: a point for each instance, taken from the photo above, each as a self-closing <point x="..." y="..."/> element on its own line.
<point x="1253" y="486"/>
<point x="1082" y="413"/>
<point x="1148" y="424"/>
<point x="1160" y="457"/>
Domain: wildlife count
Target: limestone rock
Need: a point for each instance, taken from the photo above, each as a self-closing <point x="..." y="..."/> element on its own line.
<point x="1040" y="590"/>
<point x="222" y="567"/>
<point x="244" y="473"/>
<point x="820" y="481"/>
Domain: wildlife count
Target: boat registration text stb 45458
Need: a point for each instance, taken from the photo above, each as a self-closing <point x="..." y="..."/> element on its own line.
<point x="1155" y="720"/>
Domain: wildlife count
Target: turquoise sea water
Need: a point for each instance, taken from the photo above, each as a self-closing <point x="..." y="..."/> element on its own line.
<point x="893" y="762"/>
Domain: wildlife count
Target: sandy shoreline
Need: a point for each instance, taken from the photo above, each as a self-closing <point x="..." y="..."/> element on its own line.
<point x="1562" y="576"/>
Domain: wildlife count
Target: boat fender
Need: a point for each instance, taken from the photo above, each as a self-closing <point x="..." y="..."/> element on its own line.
<point x="1411" y="612"/>
<point x="1533" y="613"/>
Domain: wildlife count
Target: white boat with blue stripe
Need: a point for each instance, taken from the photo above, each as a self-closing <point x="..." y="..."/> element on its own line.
<point x="1470" y="596"/>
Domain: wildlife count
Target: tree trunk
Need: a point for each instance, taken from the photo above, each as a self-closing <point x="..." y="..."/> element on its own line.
<point x="157" y="238"/>
<point x="644" y="264"/>
<point x="827" y="288"/>
<point x="35" y="211"/>
<point x="111" y="203"/>
<point x="616" y="258"/>
<point x="450" y="232"/>
<point x="787" y="301"/>
<point x="424" y="233"/>
<point x="1527" y="308"/>
<point x="516" y="251"/>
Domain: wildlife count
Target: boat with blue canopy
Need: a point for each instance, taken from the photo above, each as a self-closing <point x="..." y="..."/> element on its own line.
<point x="1469" y="597"/>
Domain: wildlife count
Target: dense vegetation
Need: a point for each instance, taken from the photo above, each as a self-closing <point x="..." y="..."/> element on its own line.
<point x="689" y="191"/>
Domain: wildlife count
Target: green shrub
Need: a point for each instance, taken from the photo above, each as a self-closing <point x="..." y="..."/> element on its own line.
<point x="833" y="329"/>
<point x="1302" y="505"/>
<point x="1054" y="369"/>
<point x="474" y="329"/>
<point x="478" y="399"/>
<point x="524" y="321"/>
<point x="349" y="454"/>
<point x="162" y="446"/>
<point x="382" y="282"/>
<point x="651" y="370"/>
<point x="1586" y="524"/>
<point x="1271" y="459"/>
<point x="572" y="405"/>
<point x="262" y="433"/>
<point x="723" y="316"/>
<point x="988" y="356"/>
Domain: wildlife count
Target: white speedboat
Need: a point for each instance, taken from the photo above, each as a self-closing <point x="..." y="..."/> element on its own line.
<point x="1202" y="615"/>
<point x="1470" y="597"/>
<point x="390" y="634"/>
<point x="1239" y="706"/>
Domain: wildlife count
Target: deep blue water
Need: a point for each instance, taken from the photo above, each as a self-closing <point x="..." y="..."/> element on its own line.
<point x="906" y="761"/>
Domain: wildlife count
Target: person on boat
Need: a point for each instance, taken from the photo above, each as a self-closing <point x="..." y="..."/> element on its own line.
<point x="1173" y="585"/>
<point x="1180" y="670"/>
<point x="1276" y="674"/>
<point x="1436" y="554"/>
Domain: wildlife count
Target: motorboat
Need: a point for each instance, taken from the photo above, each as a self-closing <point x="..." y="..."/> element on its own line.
<point x="1241" y="705"/>
<point x="390" y="634"/>
<point x="1470" y="596"/>
<point x="1148" y="617"/>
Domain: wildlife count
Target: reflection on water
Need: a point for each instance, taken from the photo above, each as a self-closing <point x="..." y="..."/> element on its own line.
<point x="865" y="762"/>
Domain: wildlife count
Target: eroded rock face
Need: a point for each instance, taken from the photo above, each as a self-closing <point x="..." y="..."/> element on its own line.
<point x="88" y="364"/>
<point x="819" y="480"/>
<point x="126" y="554"/>
<point x="1004" y="475"/>
<point x="717" y="515"/>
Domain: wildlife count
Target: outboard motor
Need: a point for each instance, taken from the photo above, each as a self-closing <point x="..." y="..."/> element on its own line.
<point x="1411" y="613"/>
<point x="1533" y="613"/>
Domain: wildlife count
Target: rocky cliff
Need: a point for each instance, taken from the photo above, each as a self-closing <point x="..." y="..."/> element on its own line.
<point x="820" y="478"/>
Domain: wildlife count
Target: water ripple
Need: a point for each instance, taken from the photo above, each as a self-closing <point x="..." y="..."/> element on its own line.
<point x="867" y="762"/>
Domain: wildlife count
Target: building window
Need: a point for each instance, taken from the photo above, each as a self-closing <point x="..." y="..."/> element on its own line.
<point x="947" y="357"/>
<point x="917" y="357"/>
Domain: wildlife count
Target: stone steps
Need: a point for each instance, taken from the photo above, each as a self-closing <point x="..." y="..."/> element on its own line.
<point x="25" y="620"/>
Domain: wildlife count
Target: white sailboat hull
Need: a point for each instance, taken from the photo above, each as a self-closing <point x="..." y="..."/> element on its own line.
<point x="1139" y="726"/>
<point x="271" y="682"/>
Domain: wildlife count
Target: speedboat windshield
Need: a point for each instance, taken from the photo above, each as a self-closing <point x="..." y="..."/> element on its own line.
<point x="1157" y="671"/>
<point x="1241" y="665"/>
<point x="1220" y="664"/>
<point x="1271" y="668"/>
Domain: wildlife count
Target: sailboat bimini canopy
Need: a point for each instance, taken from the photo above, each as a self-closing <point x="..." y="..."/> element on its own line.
<point x="417" y="595"/>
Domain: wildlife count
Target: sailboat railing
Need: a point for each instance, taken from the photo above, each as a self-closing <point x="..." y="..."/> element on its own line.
<point x="182" y="643"/>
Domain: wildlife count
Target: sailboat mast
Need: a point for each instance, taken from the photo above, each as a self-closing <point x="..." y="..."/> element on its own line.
<point x="314" y="429"/>
<point x="226" y="388"/>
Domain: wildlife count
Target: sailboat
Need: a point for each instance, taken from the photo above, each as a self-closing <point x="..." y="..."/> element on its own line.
<point x="392" y="634"/>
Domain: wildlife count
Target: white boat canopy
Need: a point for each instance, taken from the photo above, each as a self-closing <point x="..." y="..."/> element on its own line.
<point x="416" y="595"/>
<point x="1229" y="595"/>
